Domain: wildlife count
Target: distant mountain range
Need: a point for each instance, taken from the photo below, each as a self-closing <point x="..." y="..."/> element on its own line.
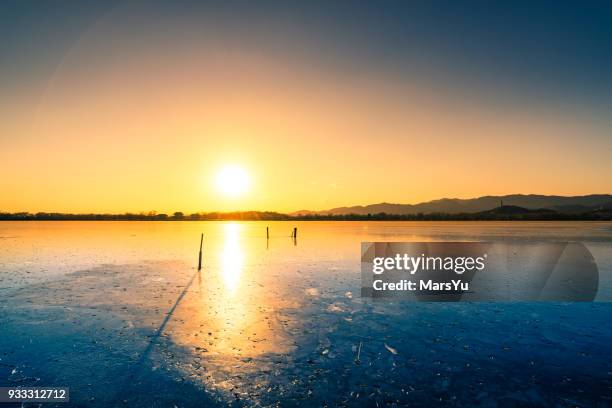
<point x="594" y="207"/>
<point x="561" y="204"/>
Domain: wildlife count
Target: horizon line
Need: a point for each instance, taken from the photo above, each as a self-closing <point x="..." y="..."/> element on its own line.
<point x="297" y="212"/>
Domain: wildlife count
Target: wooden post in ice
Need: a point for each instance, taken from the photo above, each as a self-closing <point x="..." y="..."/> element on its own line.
<point x="267" y="233"/>
<point x="200" y="256"/>
<point x="294" y="232"/>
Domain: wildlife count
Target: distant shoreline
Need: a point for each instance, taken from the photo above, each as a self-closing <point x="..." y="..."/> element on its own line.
<point x="500" y="214"/>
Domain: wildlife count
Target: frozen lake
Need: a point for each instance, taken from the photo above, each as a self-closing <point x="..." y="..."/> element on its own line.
<point x="117" y="312"/>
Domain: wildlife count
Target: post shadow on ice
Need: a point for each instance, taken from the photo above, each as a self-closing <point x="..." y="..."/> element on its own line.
<point x="480" y="271"/>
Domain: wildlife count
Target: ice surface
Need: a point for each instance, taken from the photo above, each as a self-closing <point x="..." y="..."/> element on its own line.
<point x="118" y="312"/>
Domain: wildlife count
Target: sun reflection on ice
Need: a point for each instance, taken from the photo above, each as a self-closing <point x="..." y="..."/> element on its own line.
<point x="231" y="258"/>
<point x="238" y="319"/>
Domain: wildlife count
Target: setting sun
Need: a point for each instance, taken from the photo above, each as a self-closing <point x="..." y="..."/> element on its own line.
<point x="232" y="180"/>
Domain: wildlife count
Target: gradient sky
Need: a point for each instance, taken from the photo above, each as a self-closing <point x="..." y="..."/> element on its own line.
<point x="133" y="106"/>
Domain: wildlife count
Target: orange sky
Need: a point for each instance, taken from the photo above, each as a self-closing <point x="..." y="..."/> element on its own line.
<point x="124" y="127"/>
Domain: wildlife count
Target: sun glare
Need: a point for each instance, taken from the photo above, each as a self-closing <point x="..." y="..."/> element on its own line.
<point x="232" y="180"/>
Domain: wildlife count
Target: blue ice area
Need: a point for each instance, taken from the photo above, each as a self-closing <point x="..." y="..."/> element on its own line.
<point x="463" y="355"/>
<point x="343" y="351"/>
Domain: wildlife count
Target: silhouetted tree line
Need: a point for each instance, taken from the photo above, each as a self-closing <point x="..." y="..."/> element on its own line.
<point x="150" y="216"/>
<point x="601" y="215"/>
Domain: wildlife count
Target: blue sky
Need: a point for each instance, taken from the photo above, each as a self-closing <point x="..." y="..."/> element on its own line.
<point x="550" y="48"/>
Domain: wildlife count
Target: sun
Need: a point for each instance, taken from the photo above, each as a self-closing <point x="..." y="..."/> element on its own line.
<point x="232" y="180"/>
